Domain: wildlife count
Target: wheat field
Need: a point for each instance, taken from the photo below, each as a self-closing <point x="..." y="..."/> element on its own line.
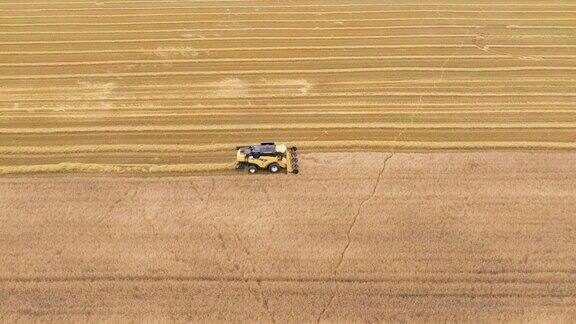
<point x="155" y="83"/>
<point x="438" y="163"/>
<point x="373" y="237"/>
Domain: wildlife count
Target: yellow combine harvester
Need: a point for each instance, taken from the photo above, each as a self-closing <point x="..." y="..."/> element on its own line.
<point x="267" y="156"/>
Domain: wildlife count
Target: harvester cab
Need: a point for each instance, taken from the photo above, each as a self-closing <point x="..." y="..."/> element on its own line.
<point x="267" y="156"/>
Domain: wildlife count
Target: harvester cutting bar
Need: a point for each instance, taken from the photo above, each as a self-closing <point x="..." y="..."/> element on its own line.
<point x="292" y="160"/>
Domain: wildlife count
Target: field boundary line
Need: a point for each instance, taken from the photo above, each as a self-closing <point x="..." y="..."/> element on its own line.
<point x="308" y="145"/>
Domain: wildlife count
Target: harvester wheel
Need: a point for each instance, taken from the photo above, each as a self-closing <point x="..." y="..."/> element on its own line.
<point x="274" y="168"/>
<point x="252" y="169"/>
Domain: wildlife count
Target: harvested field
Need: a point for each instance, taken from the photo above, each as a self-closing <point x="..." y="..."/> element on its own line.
<point x="376" y="236"/>
<point x="136" y="85"/>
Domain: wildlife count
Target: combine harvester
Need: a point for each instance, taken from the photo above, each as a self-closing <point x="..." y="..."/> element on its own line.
<point x="267" y="156"/>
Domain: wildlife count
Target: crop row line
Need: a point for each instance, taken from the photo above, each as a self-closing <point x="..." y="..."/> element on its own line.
<point x="222" y="147"/>
<point x="338" y="21"/>
<point x="251" y="4"/>
<point x="345" y="105"/>
<point x="307" y="95"/>
<point x="294" y="71"/>
<point x="427" y="27"/>
<point x="413" y="83"/>
<point x="284" y="48"/>
<point x="258" y="12"/>
<point x="292" y="126"/>
<point x="320" y="38"/>
<point x="281" y="59"/>
<point x="242" y="112"/>
<point x="257" y="38"/>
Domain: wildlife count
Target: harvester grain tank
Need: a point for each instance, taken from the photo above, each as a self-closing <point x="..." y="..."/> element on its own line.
<point x="267" y="156"/>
